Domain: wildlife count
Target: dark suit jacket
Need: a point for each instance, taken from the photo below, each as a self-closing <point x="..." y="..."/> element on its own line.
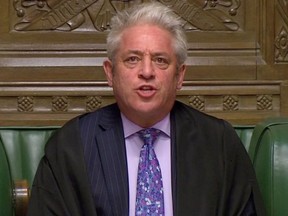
<point x="84" y="170"/>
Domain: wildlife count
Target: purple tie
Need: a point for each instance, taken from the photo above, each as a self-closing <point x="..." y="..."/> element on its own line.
<point x="149" y="197"/>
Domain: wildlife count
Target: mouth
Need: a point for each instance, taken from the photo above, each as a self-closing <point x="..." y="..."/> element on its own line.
<point x="146" y="88"/>
<point x="146" y="91"/>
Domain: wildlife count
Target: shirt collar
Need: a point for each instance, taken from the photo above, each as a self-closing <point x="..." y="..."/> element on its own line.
<point x="131" y="128"/>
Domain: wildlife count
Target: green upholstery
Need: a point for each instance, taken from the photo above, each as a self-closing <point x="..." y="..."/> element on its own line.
<point x="21" y="149"/>
<point x="5" y="184"/>
<point x="245" y="133"/>
<point x="24" y="149"/>
<point x="269" y="153"/>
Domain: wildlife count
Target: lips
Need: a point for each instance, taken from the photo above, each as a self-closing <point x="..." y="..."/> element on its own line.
<point x="146" y="91"/>
<point x="146" y="88"/>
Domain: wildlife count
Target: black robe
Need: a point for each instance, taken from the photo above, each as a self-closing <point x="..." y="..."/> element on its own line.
<point x="84" y="170"/>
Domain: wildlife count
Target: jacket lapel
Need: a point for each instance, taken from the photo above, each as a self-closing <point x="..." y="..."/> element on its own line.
<point x="112" y="151"/>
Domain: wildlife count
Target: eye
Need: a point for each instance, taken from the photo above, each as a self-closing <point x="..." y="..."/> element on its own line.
<point x="131" y="61"/>
<point x="161" y="62"/>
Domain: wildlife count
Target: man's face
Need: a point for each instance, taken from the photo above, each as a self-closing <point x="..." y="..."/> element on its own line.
<point x="145" y="75"/>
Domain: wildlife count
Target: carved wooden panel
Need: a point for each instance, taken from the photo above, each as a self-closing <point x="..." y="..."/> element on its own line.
<point x="54" y="103"/>
<point x="273" y="40"/>
<point x="67" y="37"/>
<point x="51" y="54"/>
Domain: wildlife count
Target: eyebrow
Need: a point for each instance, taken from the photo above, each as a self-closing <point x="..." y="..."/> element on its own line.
<point x="153" y="54"/>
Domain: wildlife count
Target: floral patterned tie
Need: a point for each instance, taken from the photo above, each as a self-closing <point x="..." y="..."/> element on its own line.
<point x="149" y="197"/>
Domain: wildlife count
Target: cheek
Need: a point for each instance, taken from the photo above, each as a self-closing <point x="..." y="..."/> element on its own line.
<point x="171" y="82"/>
<point x="122" y="82"/>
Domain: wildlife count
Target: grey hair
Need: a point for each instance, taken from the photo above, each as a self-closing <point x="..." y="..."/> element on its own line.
<point x="154" y="13"/>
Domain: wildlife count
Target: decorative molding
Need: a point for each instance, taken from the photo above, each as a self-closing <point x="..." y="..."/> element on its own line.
<point x="264" y="102"/>
<point x="230" y="103"/>
<point x="90" y="103"/>
<point x="55" y="103"/>
<point x="68" y="15"/>
<point x="281" y="44"/>
<point x="232" y="6"/>
<point x="282" y="7"/>
<point x="60" y="104"/>
<point x="197" y="102"/>
<point x="281" y="32"/>
<point x="25" y="103"/>
<point x="65" y="15"/>
<point x="93" y="103"/>
<point x="206" y="17"/>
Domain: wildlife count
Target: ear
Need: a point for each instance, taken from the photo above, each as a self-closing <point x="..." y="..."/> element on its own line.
<point x="107" y="66"/>
<point x="181" y="74"/>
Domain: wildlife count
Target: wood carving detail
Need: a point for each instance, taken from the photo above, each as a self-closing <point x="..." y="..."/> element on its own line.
<point x="282" y="7"/>
<point x="90" y="103"/>
<point x="230" y="103"/>
<point x="25" y="104"/>
<point x="232" y="6"/>
<point x="60" y="104"/>
<point x="281" y="40"/>
<point x="68" y="15"/>
<point x="264" y="102"/>
<point x="197" y="102"/>
<point x="93" y="103"/>
<point x="281" y="45"/>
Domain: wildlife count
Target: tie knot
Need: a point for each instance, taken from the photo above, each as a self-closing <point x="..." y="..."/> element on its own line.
<point x="149" y="135"/>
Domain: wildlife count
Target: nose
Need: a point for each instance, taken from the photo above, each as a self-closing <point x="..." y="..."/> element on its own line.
<point x="147" y="69"/>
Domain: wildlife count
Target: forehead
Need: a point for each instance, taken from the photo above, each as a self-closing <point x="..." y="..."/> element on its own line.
<point x="146" y="37"/>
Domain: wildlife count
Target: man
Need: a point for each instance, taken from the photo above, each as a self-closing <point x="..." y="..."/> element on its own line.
<point x="90" y="166"/>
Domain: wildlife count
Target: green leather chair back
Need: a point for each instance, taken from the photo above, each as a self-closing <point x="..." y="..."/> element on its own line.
<point x="245" y="134"/>
<point x="6" y="207"/>
<point x="24" y="148"/>
<point x="21" y="149"/>
<point x="269" y="153"/>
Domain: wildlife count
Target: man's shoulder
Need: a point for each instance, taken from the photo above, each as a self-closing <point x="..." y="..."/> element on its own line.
<point x="189" y="117"/>
<point x="187" y="112"/>
<point x="74" y="126"/>
<point x="104" y="115"/>
<point x="108" y="111"/>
